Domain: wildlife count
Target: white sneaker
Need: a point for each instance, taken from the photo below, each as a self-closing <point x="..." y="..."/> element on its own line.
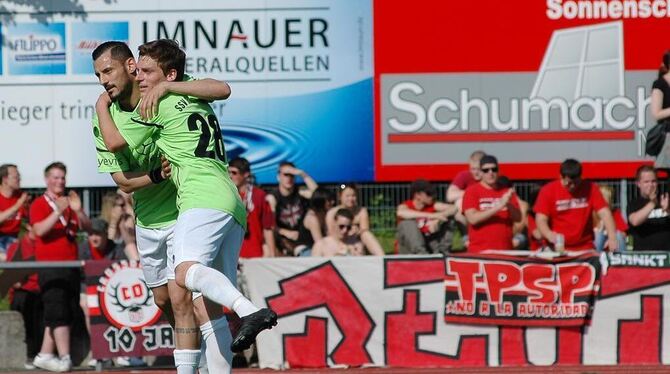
<point x="47" y="363"/>
<point x="65" y="364"/>
<point x="29" y="365"/>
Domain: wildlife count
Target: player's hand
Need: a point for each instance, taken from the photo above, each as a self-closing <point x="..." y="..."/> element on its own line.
<point x="75" y="201"/>
<point x="62" y="203"/>
<point x="166" y="168"/>
<point x="149" y="104"/>
<point x="104" y="101"/>
<point x="665" y="202"/>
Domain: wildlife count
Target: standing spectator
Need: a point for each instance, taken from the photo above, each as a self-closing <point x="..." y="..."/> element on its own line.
<point x="290" y="205"/>
<point x="422" y="221"/>
<point x="336" y="243"/>
<point x="348" y="198"/>
<point x="55" y="219"/>
<point x="660" y="108"/>
<point x="491" y="210"/>
<point x="648" y="215"/>
<point x="259" y="238"/>
<point x="568" y="204"/>
<point x="620" y="223"/>
<point x="12" y="207"/>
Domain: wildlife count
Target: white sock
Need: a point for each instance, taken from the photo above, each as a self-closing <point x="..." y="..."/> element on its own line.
<point x="243" y="307"/>
<point x="46" y="355"/>
<point x="218" y="288"/>
<point x="216" y="339"/>
<point x="186" y="360"/>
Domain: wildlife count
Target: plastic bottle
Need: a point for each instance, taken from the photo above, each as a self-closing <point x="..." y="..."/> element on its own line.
<point x="559" y="243"/>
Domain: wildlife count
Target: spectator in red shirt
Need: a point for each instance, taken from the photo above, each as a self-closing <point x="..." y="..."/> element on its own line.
<point x="465" y="179"/>
<point x="259" y="238"/>
<point x="12" y="207"/>
<point x="491" y="210"/>
<point x="567" y="205"/>
<point x="422" y="222"/>
<point x="55" y="219"/>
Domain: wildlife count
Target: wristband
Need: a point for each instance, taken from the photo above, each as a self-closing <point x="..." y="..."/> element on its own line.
<point x="156" y="176"/>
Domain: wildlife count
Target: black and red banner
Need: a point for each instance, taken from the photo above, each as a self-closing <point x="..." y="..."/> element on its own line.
<point x="527" y="291"/>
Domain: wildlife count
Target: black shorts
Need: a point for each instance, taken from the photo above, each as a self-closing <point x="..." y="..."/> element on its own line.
<point x="60" y="295"/>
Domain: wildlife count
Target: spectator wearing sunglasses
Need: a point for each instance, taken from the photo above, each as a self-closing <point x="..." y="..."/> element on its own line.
<point x="491" y="210"/>
<point x="568" y="204"/>
<point x="422" y="221"/>
<point x="337" y="243"/>
<point x="290" y="204"/>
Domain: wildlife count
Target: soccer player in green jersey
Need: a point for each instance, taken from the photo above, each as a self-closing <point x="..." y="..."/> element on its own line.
<point x="211" y="221"/>
<point x="139" y="171"/>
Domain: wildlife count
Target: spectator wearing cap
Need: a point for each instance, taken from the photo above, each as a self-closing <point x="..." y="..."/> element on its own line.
<point x="568" y="204"/>
<point x="422" y="221"/>
<point x="491" y="210"/>
<point x="98" y="246"/>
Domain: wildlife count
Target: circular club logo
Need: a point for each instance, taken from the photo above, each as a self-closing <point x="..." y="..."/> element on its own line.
<point x="125" y="298"/>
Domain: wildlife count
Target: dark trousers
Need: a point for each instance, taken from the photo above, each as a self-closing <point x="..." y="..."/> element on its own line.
<point x="412" y="241"/>
<point x="29" y="305"/>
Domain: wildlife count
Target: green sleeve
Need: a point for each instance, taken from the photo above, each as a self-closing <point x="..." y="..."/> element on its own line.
<point x="108" y="162"/>
<point x="139" y="131"/>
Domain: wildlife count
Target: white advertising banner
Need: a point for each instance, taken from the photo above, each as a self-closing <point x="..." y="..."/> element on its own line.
<point x="390" y="311"/>
<point x="295" y="68"/>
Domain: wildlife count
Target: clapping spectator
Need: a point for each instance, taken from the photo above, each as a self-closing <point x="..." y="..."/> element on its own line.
<point x="649" y="214"/>
<point x="360" y="231"/>
<point x="12" y="207"/>
<point x="55" y="218"/>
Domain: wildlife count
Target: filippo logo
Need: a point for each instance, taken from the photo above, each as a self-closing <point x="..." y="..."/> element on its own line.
<point x="125" y="298"/>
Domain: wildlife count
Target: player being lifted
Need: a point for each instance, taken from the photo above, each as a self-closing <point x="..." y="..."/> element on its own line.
<point x="210" y="225"/>
<point x="155" y="199"/>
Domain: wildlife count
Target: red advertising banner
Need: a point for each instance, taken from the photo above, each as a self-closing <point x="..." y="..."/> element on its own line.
<point x="512" y="291"/>
<point x="125" y="321"/>
<point x="532" y="83"/>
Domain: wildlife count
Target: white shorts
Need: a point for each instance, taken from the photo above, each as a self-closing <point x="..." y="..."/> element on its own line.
<point x="210" y="237"/>
<point x="156" y="254"/>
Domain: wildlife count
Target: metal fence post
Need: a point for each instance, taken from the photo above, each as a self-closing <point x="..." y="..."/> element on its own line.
<point x="623" y="197"/>
<point x="87" y="201"/>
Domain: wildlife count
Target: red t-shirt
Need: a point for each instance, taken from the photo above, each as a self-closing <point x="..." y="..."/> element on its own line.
<point x="619" y="221"/>
<point x="571" y="214"/>
<point x="421" y="223"/>
<point x="11" y="225"/>
<point x="496" y="232"/>
<point x="259" y="218"/>
<point x="464" y="179"/>
<point x="59" y="243"/>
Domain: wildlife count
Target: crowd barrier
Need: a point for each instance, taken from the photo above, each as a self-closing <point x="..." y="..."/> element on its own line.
<point x="417" y="311"/>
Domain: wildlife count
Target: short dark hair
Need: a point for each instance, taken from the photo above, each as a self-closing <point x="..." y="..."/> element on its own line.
<point x="638" y="172"/>
<point x="119" y="50"/>
<point x="571" y="168"/>
<point x="4" y="170"/>
<point x="422" y="185"/>
<point x="285" y="163"/>
<point x="344" y="212"/>
<point x="55" y="165"/>
<point x="241" y="163"/>
<point x="168" y="55"/>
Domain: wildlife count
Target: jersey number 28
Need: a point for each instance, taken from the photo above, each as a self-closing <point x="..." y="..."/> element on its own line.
<point x="208" y="128"/>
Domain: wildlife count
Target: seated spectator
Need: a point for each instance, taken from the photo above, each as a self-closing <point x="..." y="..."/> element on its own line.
<point x="568" y="205"/>
<point x="648" y="215"/>
<point x="422" y="221"/>
<point x="491" y="210"/>
<point x="12" y="207"/>
<point x="620" y="223"/>
<point x="336" y="243"/>
<point x="360" y="230"/>
<point x="465" y="179"/>
<point x="290" y="205"/>
<point x="98" y="246"/>
<point x="55" y="219"/>
<point x="24" y="298"/>
<point x="259" y="238"/>
<point x="315" y="218"/>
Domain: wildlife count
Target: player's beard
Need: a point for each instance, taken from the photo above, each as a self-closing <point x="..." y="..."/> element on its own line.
<point x="124" y="93"/>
